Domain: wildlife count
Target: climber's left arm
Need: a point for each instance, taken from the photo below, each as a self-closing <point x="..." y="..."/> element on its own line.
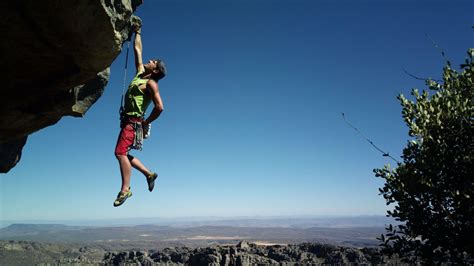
<point x="138" y="48"/>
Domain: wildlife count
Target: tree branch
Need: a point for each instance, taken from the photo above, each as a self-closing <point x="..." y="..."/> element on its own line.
<point x="418" y="78"/>
<point x="439" y="49"/>
<point x="386" y="154"/>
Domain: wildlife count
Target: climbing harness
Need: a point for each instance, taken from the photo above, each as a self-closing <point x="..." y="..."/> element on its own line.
<point x="141" y="132"/>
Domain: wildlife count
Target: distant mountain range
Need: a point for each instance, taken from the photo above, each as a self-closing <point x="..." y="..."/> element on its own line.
<point x="257" y="221"/>
<point x="345" y="231"/>
<point x="196" y="241"/>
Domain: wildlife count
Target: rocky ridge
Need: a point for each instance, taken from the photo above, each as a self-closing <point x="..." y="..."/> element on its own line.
<point x="246" y="253"/>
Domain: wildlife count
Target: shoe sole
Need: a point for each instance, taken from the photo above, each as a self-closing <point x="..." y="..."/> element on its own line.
<point x="151" y="184"/>
<point x="128" y="196"/>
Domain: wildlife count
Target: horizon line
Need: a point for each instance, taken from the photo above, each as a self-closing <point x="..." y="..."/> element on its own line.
<point x="205" y="217"/>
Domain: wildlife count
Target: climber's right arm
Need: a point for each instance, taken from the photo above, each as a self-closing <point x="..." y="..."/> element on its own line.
<point x="137" y="47"/>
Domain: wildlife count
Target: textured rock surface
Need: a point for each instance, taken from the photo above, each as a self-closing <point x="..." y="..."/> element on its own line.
<point x="10" y="153"/>
<point x="55" y="62"/>
<point x="35" y="253"/>
<point x="251" y="254"/>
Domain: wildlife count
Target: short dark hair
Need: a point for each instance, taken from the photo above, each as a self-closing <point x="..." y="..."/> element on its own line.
<point x="160" y="65"/>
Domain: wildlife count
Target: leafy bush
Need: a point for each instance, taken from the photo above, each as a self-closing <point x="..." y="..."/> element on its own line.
<point x="431" y="191"/>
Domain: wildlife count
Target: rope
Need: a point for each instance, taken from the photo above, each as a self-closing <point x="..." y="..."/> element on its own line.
<point x="124" y="81"/>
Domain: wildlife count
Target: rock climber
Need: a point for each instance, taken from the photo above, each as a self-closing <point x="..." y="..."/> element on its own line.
<point x="142" y="90"/>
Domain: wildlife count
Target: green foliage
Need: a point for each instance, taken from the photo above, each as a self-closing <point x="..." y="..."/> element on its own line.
<point x="431" y="191"/>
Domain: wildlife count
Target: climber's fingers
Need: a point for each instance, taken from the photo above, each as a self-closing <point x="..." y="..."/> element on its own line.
<point x="136" y="23"/>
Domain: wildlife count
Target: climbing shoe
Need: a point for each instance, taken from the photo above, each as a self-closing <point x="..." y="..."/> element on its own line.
<point x="151" y="181"/>
<point x="121" y="197"/>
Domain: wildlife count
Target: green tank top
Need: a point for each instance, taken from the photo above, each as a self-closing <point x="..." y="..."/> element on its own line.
<point x="136" y="100"/>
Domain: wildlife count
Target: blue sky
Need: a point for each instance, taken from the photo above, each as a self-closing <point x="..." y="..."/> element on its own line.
<point x="252" y="122"/>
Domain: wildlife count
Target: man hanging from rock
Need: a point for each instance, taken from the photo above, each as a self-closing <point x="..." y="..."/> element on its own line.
<point x="142" y="90"/>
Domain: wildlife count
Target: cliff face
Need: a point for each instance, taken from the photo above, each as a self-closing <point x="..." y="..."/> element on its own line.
<point x="56" y="58"/>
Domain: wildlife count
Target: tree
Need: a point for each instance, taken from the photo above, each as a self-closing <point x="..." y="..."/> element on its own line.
<point x="431" y="191"/>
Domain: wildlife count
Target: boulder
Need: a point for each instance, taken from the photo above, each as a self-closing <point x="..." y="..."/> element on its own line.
<point x="56" y="58"/>
<point x="243" y="245"/>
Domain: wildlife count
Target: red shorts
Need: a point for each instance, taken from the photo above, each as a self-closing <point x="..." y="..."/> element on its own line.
<point x="126" y="136"/>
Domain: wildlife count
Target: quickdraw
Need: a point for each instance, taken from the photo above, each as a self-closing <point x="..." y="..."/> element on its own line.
<point x="138" y="140"/>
